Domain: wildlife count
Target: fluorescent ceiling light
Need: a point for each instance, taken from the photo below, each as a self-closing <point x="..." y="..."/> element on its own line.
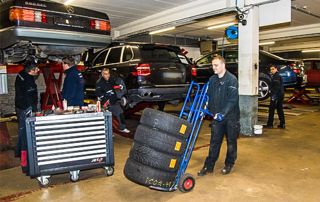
<point x="221" y="25"/>
<point x="67" y="2"/>
<point x="162" y="30"/>
<point x="266" y="43"/>
<point x="311" y="51"/>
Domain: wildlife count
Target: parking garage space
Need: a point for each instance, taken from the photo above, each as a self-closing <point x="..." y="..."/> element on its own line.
<point x="278" y="165"/>
<point x="132" y="133"/>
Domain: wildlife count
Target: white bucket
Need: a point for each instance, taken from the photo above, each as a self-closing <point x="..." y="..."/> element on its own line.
<point x="257" y="129"/>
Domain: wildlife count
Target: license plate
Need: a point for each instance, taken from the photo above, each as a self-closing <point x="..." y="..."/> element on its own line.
<point x="69" y="22"/>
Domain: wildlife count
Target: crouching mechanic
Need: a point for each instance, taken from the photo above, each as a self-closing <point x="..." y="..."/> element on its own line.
<point x="224" y="105"/>
<point x="105" y="91"/>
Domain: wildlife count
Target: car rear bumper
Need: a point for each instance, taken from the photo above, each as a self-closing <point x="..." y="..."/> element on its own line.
<point x="12" y="35"/>
<point x="157" y="94"/>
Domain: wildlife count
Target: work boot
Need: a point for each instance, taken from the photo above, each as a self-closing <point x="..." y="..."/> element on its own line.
<point x="204" y="171"/>
<point x="282" y="126"/>
<point x="267" y="126"/>
<point x="226" y="169"/>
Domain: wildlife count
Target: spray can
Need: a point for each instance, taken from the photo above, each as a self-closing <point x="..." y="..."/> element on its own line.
<point x="65" y="104"/>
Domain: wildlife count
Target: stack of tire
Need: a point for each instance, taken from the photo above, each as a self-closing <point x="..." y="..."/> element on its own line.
<point x="157" y="150"/>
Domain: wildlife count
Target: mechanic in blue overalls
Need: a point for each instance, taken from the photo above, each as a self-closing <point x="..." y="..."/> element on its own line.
<point x="73" y="84"/>
<point x="224" y="105"/>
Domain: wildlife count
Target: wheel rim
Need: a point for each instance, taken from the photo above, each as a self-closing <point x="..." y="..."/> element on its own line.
<point x="263" y="89"/>
<point x="188" y="184"/>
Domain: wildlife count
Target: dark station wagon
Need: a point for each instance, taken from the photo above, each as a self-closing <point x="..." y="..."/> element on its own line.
<point x="151" y="72"/>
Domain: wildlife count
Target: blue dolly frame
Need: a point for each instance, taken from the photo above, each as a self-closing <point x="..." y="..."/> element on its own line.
<point x="193" y="110"/>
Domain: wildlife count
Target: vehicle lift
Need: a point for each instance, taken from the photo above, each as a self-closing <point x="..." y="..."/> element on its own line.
<point x="299" y="94"/>
<point x="193" y="110"/>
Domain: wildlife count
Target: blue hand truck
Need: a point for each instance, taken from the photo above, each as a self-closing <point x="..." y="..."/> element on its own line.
<point x="193" y="110"/>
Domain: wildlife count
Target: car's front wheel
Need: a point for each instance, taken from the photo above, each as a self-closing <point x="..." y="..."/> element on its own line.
<point x="264" y="88"/>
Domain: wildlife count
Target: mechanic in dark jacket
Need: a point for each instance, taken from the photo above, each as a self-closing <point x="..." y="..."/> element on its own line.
<point x="105" y="91"/>
<point x="73" y="85"/>
<point x="26" y="97"/>
<point x="276" y="101"/>
<point x="224" y="105"/>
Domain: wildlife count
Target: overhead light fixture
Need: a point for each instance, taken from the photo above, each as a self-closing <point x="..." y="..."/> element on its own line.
<point x="162" y="30"/>
<point x="67" y="2"/>
<point x="266" y="43"/>
<point x="311" y="51"/>
<point x="221" y="25"/>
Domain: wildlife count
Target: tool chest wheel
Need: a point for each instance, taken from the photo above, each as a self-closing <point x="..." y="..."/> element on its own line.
<point x="74" y="175"/>
<point x="109" y="170"/>
<point x="168" y="123"/>
<point x="44" y="181"/>
<point x="186" y="183"/>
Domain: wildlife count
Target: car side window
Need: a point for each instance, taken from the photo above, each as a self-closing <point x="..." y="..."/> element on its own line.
<point x="127" y="54"/>
<point x="231" y="57"/>
<point x="205" y="60"/>
<point x="316" y="65"/>
<point x="307" y="65"/>
<point x="136" y="53"/>
<point x="114" y="55"/>
<point x="100" y="58"/>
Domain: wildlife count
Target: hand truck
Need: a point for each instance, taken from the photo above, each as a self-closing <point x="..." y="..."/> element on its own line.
<point x="194" y="110"/>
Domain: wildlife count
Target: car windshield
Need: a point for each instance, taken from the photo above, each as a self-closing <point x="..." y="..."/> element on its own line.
<point x="159" y="54"/>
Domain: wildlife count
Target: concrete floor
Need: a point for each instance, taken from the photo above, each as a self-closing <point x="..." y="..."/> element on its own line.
<point x="279" y="165"/>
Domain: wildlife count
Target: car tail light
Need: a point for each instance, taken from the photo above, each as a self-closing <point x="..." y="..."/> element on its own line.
<point x="100" y="25"/>
<point x="20" y="14"/>
<point x="143" y="69"/>
<point x="297" y="71"/>
<point x="194" y="71"/>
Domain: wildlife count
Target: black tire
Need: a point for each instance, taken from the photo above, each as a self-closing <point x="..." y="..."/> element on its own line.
<point x="264" y="88"/>
<point x="147" y="176"/>
<point x="186" y="183"/>
<point x="1" y="57"/>
<point x="150" y="157"/>
<point x="166" y="122"/>
<point x="159" y="140"/>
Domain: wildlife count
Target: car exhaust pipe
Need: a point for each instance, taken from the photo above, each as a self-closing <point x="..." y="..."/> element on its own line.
<point x="145" y="94"/>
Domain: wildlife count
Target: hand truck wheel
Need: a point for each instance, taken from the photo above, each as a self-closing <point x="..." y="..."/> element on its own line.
<point x="186" y="183"/>
<point x="109" y="170"/>
<point x="74" y="175"/>
<point x="44" y="181"/>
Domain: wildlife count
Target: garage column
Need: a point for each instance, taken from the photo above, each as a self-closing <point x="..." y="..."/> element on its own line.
<point x="249" y="71"/>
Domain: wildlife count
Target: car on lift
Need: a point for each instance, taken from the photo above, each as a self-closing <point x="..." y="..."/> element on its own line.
<point x="151" y="72"/>
<point x="49" y="29"/>
<point x="204" y="69"/>
<point x="312" y="69"/>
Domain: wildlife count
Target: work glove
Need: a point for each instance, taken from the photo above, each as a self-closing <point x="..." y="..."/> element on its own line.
<point x="118" y="87"/>
<point x="274" y="99"/>
<point x="218" y="117"/>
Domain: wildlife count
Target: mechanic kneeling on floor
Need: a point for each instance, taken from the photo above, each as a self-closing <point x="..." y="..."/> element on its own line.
<point x="105" y="91"/>
<point x="224" y="105"/>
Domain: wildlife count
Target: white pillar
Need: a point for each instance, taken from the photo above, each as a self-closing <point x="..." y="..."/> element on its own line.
<point x="249" y="70"/>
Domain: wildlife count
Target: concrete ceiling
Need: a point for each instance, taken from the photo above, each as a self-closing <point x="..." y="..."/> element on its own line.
<point x="122" y="12"/>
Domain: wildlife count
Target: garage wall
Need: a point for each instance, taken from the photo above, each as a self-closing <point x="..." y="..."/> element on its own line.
<point x="7" y="100"/>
